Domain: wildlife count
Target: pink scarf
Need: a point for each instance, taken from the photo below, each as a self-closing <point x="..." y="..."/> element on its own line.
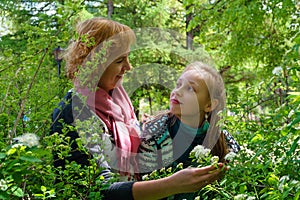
<point x="117" y="113"/>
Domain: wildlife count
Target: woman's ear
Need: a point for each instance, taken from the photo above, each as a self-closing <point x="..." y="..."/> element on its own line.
<point x="211" y="105"/>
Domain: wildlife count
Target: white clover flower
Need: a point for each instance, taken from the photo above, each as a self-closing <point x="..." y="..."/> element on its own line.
<point x="284" y="178"/>
<point x="200" y="152"/>
<point x="162" y="170"/>
<point x="206" y="152"/>
<point x="249" y="152"/>
<point x="17" y="146"/>
<point x="28" y="139"/>
<point x="169" y="169"/>
<point x="230" y="156"/>
<point x="198" y="148"/>
<point x="280" y="187"/>
<point x="214" y="160"/>
<point x="283" y="183"/>
<point x="2" y="182"/>
<point x="3" y="185"/>
<point x="277" y="70"/>
<point x="240" y="197"/>
<point x="261" y="158"/>
<point x="180" y="166"/>
<point x="145" y="177"/>
<point x="250" y="198"/>
<point x="153" y="173"/>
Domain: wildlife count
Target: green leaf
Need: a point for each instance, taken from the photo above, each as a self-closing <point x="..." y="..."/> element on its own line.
<point x="38" y="195"/>
<point x="17" y="191"/>
<point x="293" y="147"/>
<point x="11" y="151"/>
<point x="3" y="195"/>
<point x="43" y="188"/>
<point x="52" y="193"/>
<point x="30" y="159"/>
<point x="2" y="155"/>
<point x="295" y="121"/>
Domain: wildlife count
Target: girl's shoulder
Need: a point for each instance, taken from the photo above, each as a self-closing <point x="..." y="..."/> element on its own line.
<point x="232" y="144"/>
<point x="155" y="126"/>
<point x="155" y="150"/>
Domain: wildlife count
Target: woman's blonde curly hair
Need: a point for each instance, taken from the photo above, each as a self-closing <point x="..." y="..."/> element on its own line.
<point x="92" y="33"/>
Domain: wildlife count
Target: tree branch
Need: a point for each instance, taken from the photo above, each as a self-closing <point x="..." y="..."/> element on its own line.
<point x="27" y="92"/>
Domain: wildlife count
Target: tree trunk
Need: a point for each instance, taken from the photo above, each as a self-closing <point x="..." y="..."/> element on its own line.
<point x="189" y="34"/>
<point x="110" y="8"/>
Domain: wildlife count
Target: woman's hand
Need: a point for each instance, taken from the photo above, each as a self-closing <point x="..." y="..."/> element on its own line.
<point x="193" y="179"/>
<point x="183" y="181"/>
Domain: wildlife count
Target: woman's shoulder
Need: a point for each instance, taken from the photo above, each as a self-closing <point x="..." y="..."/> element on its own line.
<point x="64" y="109"/>
<point x="72" y="109"/>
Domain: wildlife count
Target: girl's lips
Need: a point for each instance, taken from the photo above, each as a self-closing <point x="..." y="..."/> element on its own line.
<point x="174" y="101"/>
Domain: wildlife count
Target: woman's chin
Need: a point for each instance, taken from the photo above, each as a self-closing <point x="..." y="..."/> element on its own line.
<point x="119" y="82"/>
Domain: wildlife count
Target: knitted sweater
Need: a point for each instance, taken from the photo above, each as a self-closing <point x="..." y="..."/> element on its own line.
<point x="166" y="144"/>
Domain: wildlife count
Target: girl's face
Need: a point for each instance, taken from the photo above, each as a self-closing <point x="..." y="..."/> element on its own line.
<point x="190" y="96"/>
<point x="113" y="74"/>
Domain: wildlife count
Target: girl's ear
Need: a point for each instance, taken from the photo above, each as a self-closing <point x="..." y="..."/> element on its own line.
<point x="211" y="105"/>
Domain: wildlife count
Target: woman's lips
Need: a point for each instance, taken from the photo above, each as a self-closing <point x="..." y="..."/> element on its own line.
<point x="120" y="76"/>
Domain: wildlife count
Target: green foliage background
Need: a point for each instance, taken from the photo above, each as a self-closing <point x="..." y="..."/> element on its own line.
<point x="254" y="44"/>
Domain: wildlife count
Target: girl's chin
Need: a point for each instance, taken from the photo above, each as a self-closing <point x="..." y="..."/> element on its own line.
<point x="175" y="111"/>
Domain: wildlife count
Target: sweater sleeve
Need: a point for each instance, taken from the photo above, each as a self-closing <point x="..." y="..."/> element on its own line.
<point x="119" y="190"/>
<point x="62" y="117"/>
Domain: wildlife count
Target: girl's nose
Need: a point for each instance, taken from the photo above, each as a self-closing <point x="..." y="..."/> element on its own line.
<point x="177" y="91"/>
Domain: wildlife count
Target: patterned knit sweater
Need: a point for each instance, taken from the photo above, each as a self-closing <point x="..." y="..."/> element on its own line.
<point x="166" y="142"/>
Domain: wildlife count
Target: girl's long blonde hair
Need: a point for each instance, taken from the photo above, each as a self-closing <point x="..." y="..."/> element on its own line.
<point x="214" y="139"/>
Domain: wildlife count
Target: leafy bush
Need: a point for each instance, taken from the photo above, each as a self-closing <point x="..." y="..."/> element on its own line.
<point x="27" y="172"/>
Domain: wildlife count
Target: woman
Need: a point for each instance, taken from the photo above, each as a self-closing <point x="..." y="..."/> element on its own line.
<point x="96" y="63"/>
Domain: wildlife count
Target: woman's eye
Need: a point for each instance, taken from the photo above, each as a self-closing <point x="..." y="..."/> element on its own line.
<point x="119" y="60"/>
<point x="178" y="85"/>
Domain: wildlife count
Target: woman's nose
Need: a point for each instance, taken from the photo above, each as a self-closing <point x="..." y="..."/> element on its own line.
<point x="127" y="66"/>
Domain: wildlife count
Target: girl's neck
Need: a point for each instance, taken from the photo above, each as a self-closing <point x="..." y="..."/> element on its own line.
<point x="192" y="121"/>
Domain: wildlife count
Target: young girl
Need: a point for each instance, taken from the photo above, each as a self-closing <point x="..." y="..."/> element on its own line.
<point x="193" y="119"/>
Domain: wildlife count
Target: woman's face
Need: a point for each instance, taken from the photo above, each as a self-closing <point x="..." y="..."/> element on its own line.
<point x="190" y="96"/>
<point x="113" y="75"/>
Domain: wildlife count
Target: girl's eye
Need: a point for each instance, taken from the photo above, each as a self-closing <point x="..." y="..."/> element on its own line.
<point x="190" y="88"/>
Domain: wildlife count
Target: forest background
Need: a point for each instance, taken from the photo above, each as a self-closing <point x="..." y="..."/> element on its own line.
<point x="254" y="45"/>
